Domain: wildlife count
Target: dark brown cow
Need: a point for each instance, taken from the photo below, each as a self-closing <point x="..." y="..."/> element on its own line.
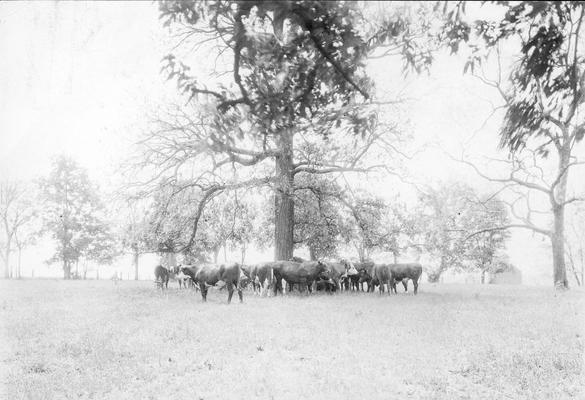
<point x="303" y="274"/>
<point x="161" y="275"/>
<point x="384" y="276"/>
<point x="211" y="274"/>
<point x="403" y="272"/>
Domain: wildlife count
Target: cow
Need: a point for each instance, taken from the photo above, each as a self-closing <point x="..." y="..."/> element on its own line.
<point x="177" y="274"/>
<point x="328" y="286"/>
<point x="383" y="275"/>
<point x="299" y="273"/>
<point x="161" y="276"/>
<point x="262" y="278"/>
<point x="403" y="272"/>
<point x="365" y="276"/>
<point x="337" y="273"/>
<point x="190" y="271"/>
<point x="211" y="274"/>
<point x="351" y="279"/>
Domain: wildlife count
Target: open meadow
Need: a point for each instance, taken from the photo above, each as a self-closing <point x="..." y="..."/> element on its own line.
<point x="95" y="339"/>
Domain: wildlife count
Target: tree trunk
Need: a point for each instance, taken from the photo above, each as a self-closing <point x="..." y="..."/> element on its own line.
<point x="361" y="253"/>
<point x="483" y="271"/>
<point x="243" y="254"/>
<point x="18" y="274"/>
<point x="215" y="255"/>
<point x="312" y="254"/>
<point x="7" y="259"/>
<point x="558" y="249"/>
<point x="284" y="203"/>
<point x="66" y="270"/>
<point x="434" y="276"/>
<point x="135" y="257"/>
<point x="572" y="264"/>
<point x="558" y="208"/>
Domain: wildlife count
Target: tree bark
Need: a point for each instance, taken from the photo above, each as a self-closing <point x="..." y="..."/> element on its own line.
<point x="18" y="274"/>
<point x="135" y="257"/>
<point x="7" y="259"/>
<point x="558" y="197"/>
<point x="558" y="249"/>
<point x="243" y="254"/>
<point x="284" y="203"/>
<point x="215" y="255"/>
<point x="312" y="254"/>
<point x="66" y="270"/>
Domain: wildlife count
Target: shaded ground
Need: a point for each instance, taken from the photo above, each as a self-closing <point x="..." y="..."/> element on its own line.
<point x="94" y="339"/>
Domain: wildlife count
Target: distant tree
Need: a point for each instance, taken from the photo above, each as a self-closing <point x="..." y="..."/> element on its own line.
<point x="103" y="248"/>
<point x="543" y="96"/>
<point x="485" y="250"/>
<point x="226" y="222"/>
<point x="73" y="214"/>
<point x="364" y="225"/>
<point x="135" y="230"/>
<point x="452" y="214"/>
<point x="16" y="212"/>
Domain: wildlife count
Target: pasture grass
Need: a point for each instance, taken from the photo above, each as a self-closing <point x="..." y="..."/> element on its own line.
<point x="97" y="340"/>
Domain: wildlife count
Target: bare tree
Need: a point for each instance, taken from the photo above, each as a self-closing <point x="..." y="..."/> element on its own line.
<point x="543" y="97"/>
<point x="16" y="211"/>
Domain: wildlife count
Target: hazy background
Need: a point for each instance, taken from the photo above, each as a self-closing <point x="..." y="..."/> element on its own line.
<point x="82" y="79"/>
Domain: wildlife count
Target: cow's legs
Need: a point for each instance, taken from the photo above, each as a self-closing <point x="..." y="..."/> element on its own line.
<point x="405" y="284"/>
<point x="203" y="289"/>
<point x="415" y="283"/>
<point x="230" y="288"/>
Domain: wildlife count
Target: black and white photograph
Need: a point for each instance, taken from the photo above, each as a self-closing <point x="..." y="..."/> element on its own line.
<point x="295" y="199"/>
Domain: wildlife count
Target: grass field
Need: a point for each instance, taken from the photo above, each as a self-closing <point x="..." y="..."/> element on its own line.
<point x="94" y="339"/>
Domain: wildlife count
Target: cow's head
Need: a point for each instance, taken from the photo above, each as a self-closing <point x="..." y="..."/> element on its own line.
<point x="324" y="270"/>
<point x="364" y="275"/>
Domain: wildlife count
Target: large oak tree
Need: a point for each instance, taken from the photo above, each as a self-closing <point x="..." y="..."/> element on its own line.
<point x="296" y="71"/>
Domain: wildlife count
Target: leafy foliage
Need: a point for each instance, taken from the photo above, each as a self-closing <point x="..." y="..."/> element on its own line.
<point x="74" y="216"/>
<point x="291" y="60"/>
<point x="548" y="81"/>
<point x="317" y="215"/>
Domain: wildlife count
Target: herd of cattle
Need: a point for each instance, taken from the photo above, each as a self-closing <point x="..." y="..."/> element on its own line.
<point x="312" y="275"/>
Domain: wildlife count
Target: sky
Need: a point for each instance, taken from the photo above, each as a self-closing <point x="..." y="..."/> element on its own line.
<point x="82" y="78"/>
